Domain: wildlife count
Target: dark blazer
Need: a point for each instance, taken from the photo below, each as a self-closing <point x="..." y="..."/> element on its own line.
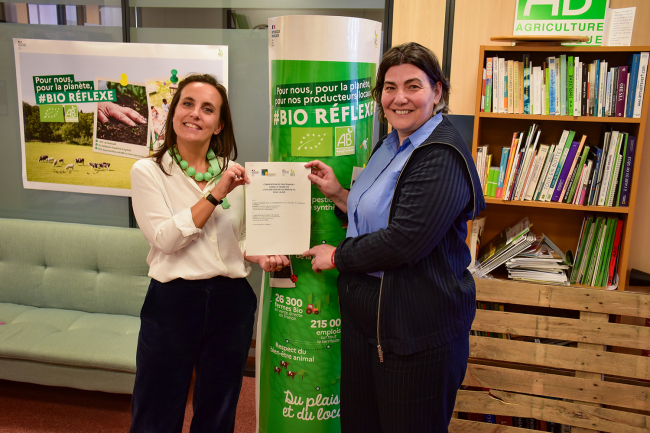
<point x="427" y="295"/>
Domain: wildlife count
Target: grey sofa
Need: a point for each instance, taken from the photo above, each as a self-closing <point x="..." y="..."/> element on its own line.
<point x="70" y="299"/>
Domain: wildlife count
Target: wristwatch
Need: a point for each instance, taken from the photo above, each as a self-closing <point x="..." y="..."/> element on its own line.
<point x="209" y="197"/>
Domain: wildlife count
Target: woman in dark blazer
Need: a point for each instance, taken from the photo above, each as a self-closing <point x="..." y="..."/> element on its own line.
<point x="407" y="299"/>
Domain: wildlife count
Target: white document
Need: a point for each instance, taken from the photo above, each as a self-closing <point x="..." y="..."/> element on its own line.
<point x="278" y="208"/>
<point x="619" y="24"/>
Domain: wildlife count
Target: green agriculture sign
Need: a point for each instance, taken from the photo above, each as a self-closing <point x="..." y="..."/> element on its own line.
<point x="561" y="17"/>
<point x="321" y="108"/>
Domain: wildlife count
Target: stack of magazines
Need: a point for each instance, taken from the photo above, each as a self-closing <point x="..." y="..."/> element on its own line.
<point x="506" y="245"/>
<point x="542" y="262"/>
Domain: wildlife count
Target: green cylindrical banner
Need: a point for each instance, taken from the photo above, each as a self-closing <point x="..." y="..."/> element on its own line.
<point x="322" y="70"/>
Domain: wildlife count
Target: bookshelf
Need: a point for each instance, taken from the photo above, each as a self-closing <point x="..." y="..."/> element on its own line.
<point x="561" y="222"/>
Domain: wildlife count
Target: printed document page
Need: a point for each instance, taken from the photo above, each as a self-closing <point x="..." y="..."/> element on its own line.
<point x="278" y="208"/>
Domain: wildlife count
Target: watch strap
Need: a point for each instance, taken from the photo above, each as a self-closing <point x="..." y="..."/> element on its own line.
<point x="209" y="197"/>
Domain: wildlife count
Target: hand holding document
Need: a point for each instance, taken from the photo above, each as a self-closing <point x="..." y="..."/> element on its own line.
<point x="278" y="208"/>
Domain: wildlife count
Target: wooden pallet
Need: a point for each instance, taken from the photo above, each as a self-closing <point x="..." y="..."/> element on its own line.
<point x="584" y="385"/>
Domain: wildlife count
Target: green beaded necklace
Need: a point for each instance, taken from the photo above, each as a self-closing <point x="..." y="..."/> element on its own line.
<point x="191" y="171"/>
<point x="197" y="175"/>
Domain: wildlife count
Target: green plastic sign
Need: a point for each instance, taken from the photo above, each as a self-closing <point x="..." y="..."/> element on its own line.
<point x="561" y="17"/>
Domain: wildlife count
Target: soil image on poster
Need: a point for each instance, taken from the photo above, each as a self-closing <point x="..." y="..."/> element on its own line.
<point x="131" y="97"/>
<point x="159" y="95"/>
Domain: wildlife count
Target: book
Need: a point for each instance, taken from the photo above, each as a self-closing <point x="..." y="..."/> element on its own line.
<point x="505" y="155"/>
<point x="640" y="84"/>
<point x="519" y="66"/>
<point x="526" y="169"/>
<point x="557" y="85"/>
<point x="584" y="185"/>
<point x="510" y="175"/>
<point x="526" y="62"/>
<point x="503" y="83"/>
<point x="596" y="82"/>
<point x="550" y="83"/>
<point x="563" y="84"/>
<point x="589" y="227"/>
<point x="510" y="92"/>
<point x="594" y="177"/>
<point x="626" y="181"/>
<point x="515" y="87"/>
<point x="537" y="94"/>
<point x="540" y="160"/>
<point x="505" y="245"/>
<point x="601" y="87"/>
<point x="569" y="85"/>
<point x="577" y="85"/>
<point x="561" y="152"/>
<point x="611" y="194"/>
<point x="493" y="178"/>
<point x="620" y="91"/>
<point x="614" y="257"/>
<point x="623" y="153"/>
<point x="545" y="169"/>
<point x="486" y="172"/>
<point x="584" y="77"/>
<point x="483" y="91"/>
<point x="488" y="85"/>
<point x="495" y="84"/>
<point x="566" y="169"/>
<point x="608" y="93"/>
<point x="631" y="90"/>
<point x="587" y="262"/>
<point x="522" y="166"/>
<point x="610" y="161"/>
<point x="475" y="238"/>
<point x="571" y="188"/>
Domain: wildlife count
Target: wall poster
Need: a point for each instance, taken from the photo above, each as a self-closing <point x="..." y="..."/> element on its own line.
<point x="91" y="109"/>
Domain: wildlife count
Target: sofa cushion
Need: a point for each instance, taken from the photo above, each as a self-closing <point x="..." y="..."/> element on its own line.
<point x="80" y="267"/>
<point x="67" y="337"/>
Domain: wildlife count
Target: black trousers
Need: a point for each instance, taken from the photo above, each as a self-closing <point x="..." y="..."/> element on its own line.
<point x="405" y="393"/>
<point x="205" y="326"/>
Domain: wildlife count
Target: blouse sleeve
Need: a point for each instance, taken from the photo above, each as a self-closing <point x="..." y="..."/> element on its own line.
<point x="434" y="193"/>
<point x="164" y="230"/>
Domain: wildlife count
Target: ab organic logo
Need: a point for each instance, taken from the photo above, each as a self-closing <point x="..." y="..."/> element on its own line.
<point x="344" y="139"/>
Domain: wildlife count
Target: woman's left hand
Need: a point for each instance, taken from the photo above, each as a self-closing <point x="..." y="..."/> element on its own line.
<point x="322" y="257"/>
<point x="269" y="263"/>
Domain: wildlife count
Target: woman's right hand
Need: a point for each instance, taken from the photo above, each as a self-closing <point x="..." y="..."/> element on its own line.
<point x="323" y="176"/>
<point x="230" y="179"/>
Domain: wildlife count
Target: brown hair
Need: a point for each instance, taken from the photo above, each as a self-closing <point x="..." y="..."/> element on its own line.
<point x="419" y="56"/>
<point x="223" y="144"/>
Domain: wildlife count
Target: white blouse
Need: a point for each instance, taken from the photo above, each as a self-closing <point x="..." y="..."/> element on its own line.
<point x="162" y="205"/>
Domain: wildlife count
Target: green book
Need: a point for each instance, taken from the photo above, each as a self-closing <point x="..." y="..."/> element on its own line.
<point x="546" y="92"/>
<point x="617" y="202"/>
<point x="581" y="250"/>
<point x="595" y="253"/>
<point x="587" y="260"/>
<point x="493" y="179"/>
<point x="579" y="169"/>
<point x="570" y="85"/>
<point x="603" y="267"/>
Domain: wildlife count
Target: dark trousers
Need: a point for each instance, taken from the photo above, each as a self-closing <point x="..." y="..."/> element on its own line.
<point x="405" y="393"/>
<point x="205" y="326"/>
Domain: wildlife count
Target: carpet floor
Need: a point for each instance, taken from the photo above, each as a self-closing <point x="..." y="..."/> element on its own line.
<point x="29" y="408"/>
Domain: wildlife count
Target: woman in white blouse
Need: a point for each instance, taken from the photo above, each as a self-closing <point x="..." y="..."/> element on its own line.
<point x="199" y="310"/>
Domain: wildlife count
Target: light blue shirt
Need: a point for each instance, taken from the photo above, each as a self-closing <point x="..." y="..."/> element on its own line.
<point x="370" y="197"/>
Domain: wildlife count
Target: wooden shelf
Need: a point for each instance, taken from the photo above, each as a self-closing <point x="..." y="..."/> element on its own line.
<point x="559" y="206"/>
<point x="504" y="284"/>
<point x="561" y="222"/>
<point x="539" y="117"/>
